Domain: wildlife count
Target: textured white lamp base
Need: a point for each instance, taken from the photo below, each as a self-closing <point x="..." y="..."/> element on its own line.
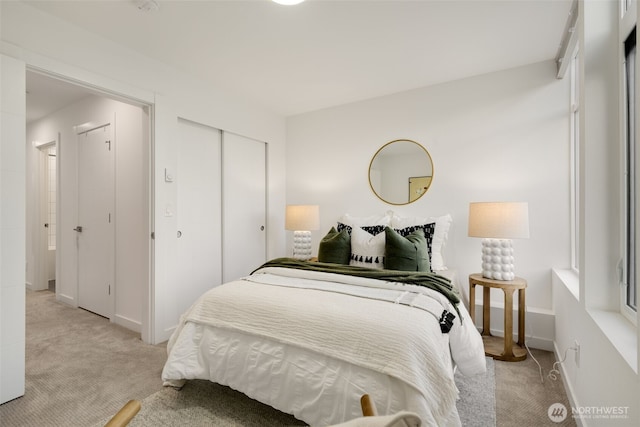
<point x="497" y="259"/>
<point x="302" y="245"/>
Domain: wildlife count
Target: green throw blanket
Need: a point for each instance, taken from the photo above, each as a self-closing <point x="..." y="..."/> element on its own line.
<point x="429" y="280"/>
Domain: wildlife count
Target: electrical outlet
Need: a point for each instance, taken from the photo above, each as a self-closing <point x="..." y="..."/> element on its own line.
<point x="576" y="344"/>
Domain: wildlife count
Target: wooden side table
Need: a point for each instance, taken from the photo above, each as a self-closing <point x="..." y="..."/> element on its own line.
<point x="497" y="347"/>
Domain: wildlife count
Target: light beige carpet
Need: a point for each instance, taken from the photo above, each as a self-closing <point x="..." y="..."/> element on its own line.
<point x="80" y="367"/>
<point x="523" y="398"/>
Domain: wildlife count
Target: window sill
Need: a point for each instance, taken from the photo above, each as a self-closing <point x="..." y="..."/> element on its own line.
<point x="570" y="280"/>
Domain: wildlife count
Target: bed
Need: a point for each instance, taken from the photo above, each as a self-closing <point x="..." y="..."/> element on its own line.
<point x="310" y="338"/>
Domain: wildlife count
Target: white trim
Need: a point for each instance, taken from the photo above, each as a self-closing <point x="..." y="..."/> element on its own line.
<point x="539" y="324"/>
<point x="41" y="145"/>
<point x="568" y="387"/>
<point x="66" y="299"/>
<point x="131" y="324"/>
<point x="626" y="25"/>
<point x="574" y="132"/>
<point x="569" y="41"/>
<point x="127" y="94"/>
<point x="98" y="82"/>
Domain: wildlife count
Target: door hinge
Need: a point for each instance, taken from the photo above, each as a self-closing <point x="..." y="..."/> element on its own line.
<point x="109" y="217"/>
<point x="109" y="289"/>
<point x="109" y="144"/>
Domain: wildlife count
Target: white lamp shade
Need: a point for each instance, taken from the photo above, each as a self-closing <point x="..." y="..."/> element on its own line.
<point x="302" y="217"/>
<point x="499" y="220"/>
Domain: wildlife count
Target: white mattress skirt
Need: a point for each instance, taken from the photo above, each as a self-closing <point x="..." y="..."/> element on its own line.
<point x="316" y="389"/>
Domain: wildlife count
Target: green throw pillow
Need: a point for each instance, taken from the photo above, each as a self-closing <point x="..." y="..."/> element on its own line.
<point x="335" y="247"/>
<point x="406" y="253"/>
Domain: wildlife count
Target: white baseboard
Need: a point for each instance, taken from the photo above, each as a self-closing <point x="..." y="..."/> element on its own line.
<point x="567" y="386"/>
<point x="539" y="325"/>
<point x="131" y="324"/>
<point x="30" y="286"/>
<point x="66" y="300"/>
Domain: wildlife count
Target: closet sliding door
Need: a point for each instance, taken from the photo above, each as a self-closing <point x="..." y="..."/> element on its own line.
<point x="198" y="211"/>
<point x="221" y="209"/>
<point x="244" y="178"/>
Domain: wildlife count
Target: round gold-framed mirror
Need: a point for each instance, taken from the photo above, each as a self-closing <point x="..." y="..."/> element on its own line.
<point x="400" y="172"/>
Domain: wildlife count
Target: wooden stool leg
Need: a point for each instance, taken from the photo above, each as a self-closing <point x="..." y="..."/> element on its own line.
<point x="508" y="322"/>
<point x="125" y="414"/>
<point x="472" y="302"/>
<point x="486" y="310"/>
<point x="521" y="313"/>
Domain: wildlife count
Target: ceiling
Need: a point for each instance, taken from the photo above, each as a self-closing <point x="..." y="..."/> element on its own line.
<point x="46" y="95"/>
<point x="323" y="53"/>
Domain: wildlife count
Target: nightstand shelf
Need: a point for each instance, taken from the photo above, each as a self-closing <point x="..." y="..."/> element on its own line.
<point x="498" y="347"/>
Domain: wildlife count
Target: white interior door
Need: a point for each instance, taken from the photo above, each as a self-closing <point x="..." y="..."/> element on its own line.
<point x="95" y="231"/>
<point x="199" y="244"/>
<point x="245" y="201"/>
<point x="41" y="273"/>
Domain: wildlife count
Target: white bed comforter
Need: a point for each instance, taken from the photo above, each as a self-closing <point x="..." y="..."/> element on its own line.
<point x="371" y="325"/>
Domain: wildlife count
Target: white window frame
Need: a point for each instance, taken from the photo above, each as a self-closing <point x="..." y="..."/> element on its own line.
<point x="626" y="6"/>
<point x="574" y="75"/>
<point x="628" y="22"/>
<point x="630" y="223"/>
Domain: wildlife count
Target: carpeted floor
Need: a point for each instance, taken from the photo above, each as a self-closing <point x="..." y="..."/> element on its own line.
<point x="522" y="398"/>
<point x="81" y="369"/>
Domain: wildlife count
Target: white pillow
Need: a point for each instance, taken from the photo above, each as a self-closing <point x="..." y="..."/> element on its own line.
<point x="439" y="236"/>
<point x="355" y="221"/>
<point x="367" y="250"/>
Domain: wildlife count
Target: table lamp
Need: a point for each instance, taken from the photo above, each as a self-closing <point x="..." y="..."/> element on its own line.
<point x="301" y="219"/>
<point x="497" y="223"/>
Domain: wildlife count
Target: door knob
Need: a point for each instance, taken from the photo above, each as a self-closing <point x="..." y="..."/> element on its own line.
<point x="78" y="229"/>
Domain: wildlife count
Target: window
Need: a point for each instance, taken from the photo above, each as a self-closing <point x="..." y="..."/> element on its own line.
<point x="575" y="160"/>
<point x="629" y="296"/>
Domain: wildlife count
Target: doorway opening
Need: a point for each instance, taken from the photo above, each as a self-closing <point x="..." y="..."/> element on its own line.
<point x="61" y="107"/>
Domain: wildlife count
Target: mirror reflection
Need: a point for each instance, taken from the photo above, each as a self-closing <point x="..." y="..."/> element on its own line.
<point x="400" y="172"/>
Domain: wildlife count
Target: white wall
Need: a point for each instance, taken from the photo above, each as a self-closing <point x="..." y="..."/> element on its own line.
<point x="495" y="137"/>
<point x="41" y="41"/>
<point x="12" y="229"/>
<point x="132" y="199"/>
